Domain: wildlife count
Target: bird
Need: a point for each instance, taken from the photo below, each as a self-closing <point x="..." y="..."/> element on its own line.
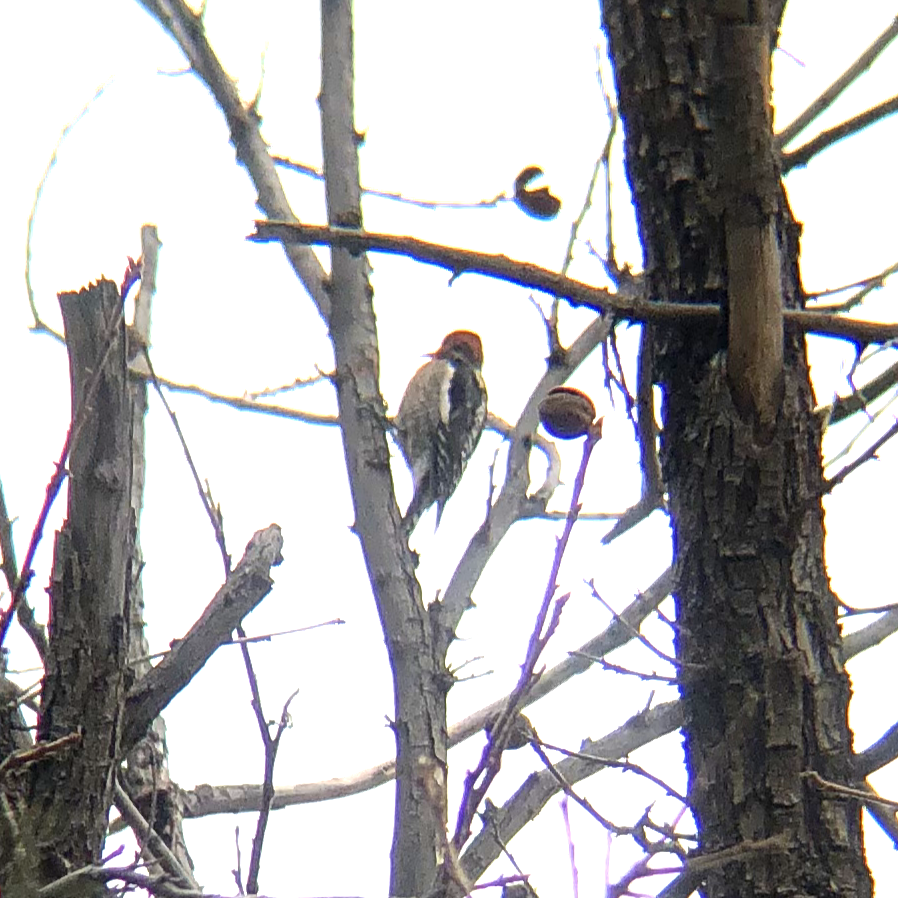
<point x="440" y="420"/>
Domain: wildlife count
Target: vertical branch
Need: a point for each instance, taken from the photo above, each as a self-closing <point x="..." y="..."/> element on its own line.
<point x="479" y="780"/>
<point x="272" y="744"/>
<point x="84" y="688"/>
<point x="750" y="192"/>
<point x="145" y="776"/>
<point x="420" y="679"/>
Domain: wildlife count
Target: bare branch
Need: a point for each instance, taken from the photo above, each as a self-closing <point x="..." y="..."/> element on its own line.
<point x="830" y="484"/>
<point x="880" y="753"/>
<point x="24" y="612"/>
<point x="207" y="800"/>
<point x="78" y="883"/>
<point x="247" y="585"/>
<point x="144" y="832"/>
<point x="417" y="659"/>
<point x="871" y="635"/>
<point x="635" y="631"/>
<point x="536" y="791"/>
<point x="479" y="780"/>
<point x="845" y="406"/>
<point x="225" y="799"/>
<point x="272" y="744"/>
<point x="54" y="157"/>
<point x="845" y="80"/>
<point x="144" y="775"/>
<point x="866" y="795"/>
<point x="312" y="172"/>
<point x="652" y="495"/>
<point x="826" y="139"/>
<point x="230" y="799"/>
<point x="697" y="866"/>
<point x="626" y="303"/>
<point x="242" y="403"/>
<point x="619" y="764"/>
<point x="867" y="285"/>
<point x="188" y="31"/>
<point x="213" y="512"/>
<point x="37" y="752"/>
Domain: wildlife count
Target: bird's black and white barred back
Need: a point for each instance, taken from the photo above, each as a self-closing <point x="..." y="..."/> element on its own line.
<point x="440" y="420"/>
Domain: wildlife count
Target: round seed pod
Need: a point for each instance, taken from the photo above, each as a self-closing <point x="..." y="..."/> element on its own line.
<point x="566" y="413"/>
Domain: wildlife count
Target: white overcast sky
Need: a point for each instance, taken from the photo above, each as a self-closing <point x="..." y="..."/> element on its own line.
<point x="453" y="104"/>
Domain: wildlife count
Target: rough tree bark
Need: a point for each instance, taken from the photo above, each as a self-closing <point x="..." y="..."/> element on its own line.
<point x="84" y="688"/>
<point x="762" y="677"/>
<point x="56" y="794"/>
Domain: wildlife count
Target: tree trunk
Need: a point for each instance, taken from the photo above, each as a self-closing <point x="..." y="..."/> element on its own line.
<point x="764" y="689"/>
<point x="84" y="688"/>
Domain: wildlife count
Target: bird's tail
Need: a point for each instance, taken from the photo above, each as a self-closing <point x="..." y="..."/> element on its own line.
<point x="413" y="514"/>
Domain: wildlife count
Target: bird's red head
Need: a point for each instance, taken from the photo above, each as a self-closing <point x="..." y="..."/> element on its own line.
<point x="464" y="345"/>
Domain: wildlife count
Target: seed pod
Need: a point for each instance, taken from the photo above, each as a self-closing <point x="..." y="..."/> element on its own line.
<point x="566" y="413"/>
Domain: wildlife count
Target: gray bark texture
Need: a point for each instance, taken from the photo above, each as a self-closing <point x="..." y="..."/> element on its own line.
<point x="144" y="774"/>
<point x="97" y="704"/>
<point x="764" y="689"/>
<point x="420" y="677"/>
<point x="70" y="792"/>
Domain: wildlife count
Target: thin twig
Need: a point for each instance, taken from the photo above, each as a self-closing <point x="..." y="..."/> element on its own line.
<point x="867" y="796"/>
<point x="24" y="612"/>
<point x="187" y="29"/>
<point x="263" y="637"/>
<point x="610" y="261"/>
<point x="238" y="872"/>
<point x="832" y="482"/>
<point x="845" y="406"/>
<point x="866" y="285"/>
<point x="634" y="630"/>
<point x="569" y="791"/>
<point x="312" y="172"/>
<point x="37" y="752"/>
<point x="489" y="822"/>
<point x="145" y="833"/>
<point x="298" y="383"/>
<point x="652" y="494"/>
<point x="626" y="671"/>
<point x="826" y="139"/>
<point x="242" y="403"/>
<point x="478" y="781"/>
<point x="872" y="418"/>
<point x="54" y="158"/>
<point x="848" y="77"/>
<point x="272" y="743"/>
<point x="621" y="765"/>
<point x="59" y="475"/>
<point x="571" y="849"/>
<point x="212" y="512"/>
